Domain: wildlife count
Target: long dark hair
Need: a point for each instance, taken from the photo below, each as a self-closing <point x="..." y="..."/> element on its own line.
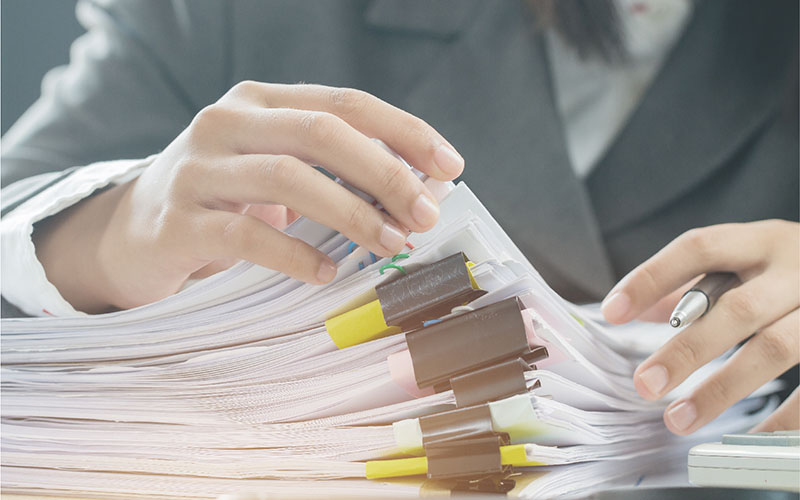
<point x="590" y="26"/>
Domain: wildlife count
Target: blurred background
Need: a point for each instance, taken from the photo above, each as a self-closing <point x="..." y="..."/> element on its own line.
<point x="35" y="35"/>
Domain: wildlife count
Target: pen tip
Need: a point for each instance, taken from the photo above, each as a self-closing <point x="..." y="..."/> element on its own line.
<point x="675" y="322"/>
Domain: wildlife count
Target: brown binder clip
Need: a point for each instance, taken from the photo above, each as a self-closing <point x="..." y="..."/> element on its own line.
<point x="461" y="443"/>
<point x="482" y="355"/>
<point x="489" y="484"/>
<point x="462" y="447"/>
<point x="405" y="303"/>
<point x="492" y="383"/>
<point x="430" y="292"/>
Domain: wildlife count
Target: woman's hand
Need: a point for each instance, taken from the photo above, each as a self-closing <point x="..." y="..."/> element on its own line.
<point x="203" y="204"/>
<point x="766" y="257"/>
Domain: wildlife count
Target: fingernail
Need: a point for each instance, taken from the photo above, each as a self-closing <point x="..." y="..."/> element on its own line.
<point x="326" y="272"/>
<point x="683" y="415"/>
<point x="616" y="306"/>
<point x="424" y="211"/>
<point x="392" y="238"/>
<point x="655" y="379"/>
<point x="448" y="161"/>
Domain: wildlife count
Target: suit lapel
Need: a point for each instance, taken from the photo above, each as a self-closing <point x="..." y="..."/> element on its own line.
<point x="493" y="83"/>
<point x="720" y="84"/>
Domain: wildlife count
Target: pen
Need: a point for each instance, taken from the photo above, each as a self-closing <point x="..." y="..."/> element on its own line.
<point x="702" y="297"/>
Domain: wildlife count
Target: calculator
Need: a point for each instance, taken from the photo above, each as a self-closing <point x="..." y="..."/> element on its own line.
<point x="768" y="460"/>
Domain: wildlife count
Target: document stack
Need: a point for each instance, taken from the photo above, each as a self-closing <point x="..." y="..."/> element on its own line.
<point x="452" y="366"/>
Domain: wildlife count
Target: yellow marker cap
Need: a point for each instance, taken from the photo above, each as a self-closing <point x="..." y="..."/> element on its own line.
<point x="379" y="469"/>
<point x="472" y="281"/>
<point x="360" y="325"/>
<point x="515" y="455"/>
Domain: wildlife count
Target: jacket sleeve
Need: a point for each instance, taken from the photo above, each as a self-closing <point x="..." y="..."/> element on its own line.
<point x="135" y="80"/>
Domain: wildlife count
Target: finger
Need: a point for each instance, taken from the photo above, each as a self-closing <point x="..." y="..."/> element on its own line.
<point x="662" y="310"/>
<point x="737" y="314"/>
<point x="785" y="418"/>
<point x="769" y="353"/>
<point x="412" y="138"/>
<point x="277" y="216"/>
<point x="725" y="247"/>
<point x="212" y="268"/>
<point x="326" y="140"/>
<point x="274" y="215"/>
<point x="285" y="180"/>
<point x="221" y="234"/>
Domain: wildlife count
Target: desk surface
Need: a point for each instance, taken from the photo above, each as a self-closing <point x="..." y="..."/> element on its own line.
<point x="27" y="497"/>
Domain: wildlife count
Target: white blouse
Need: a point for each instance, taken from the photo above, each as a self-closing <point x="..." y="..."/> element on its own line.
<point x="595" y="98"/>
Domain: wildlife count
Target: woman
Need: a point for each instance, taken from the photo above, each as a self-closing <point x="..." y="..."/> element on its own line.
<point x="597" y="132"/>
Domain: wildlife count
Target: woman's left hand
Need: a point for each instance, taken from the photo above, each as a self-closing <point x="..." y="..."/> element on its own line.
<point x="766" y="257"/>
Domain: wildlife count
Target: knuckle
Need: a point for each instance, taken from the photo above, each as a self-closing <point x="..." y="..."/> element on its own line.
<point x="358" y="215"/>
<point x="772" y="224"/>
<point x="348" y="102"/>
<point x="320" y="128"/>
<point x="782" y="232"/>
<point x="701" y="243"/>
<point x="417" y="131"/>
<point x="210" y="118"/>
<point x="208" y="114"/>
<point x="394" y="177"/>
<point x="778" y="345"/>
<point x="185" y="175"/>
<point x="719" y="390"/>
<point x="742" y="305"/>
<point x="236" y="234"/>
<point x="280" y="171"/>
<point x="167" y="223"/>
<point x="245" y="88"/>
<point x="648" y="278"/>
<point x="687" y="352"/>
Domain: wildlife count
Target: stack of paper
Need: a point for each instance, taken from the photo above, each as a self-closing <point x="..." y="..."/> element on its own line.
<point x="251" y="381"/>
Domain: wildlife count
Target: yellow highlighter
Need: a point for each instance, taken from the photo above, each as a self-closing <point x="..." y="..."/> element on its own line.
<point x="513" y="454"/>
<point x="360" y="325"/>
<point x="405" y="303"/>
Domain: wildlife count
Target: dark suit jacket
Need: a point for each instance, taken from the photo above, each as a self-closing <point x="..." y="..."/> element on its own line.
<point x="711" y="142"/>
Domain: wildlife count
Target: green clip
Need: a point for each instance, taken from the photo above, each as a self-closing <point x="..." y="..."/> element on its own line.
<point x="392" y="266"/>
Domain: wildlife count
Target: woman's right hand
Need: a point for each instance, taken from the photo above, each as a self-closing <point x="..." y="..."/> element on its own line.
<point x="196" y="208"/>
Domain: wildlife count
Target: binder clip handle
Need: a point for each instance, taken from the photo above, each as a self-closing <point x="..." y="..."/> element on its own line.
<point x="490" y="484"/>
